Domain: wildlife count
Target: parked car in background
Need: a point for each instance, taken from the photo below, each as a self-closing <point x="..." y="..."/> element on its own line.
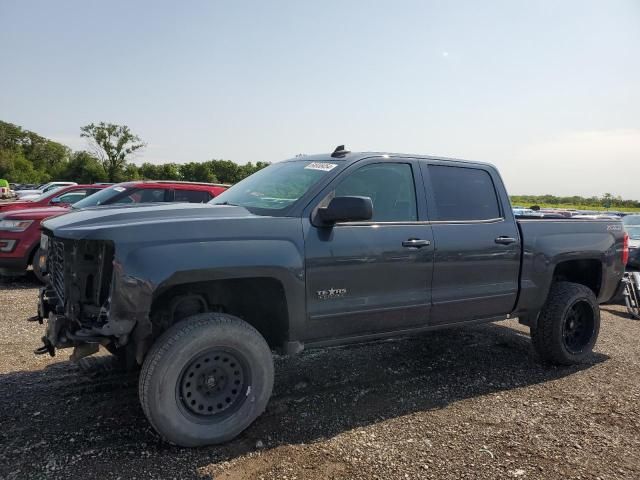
<point x="632" y="227"/>
<point x="20" y="229"/>
<point x="62" y="196"/>
<point x="148" y="191"/>
<point x="555" y="213"/>
<point x="526" y="212"/>
<point x="5" y="190"/>
<point x="25" y="186"/>
<point x="24" y="194"/>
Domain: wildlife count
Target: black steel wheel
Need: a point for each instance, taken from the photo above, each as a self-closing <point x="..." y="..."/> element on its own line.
<point x="213" y="384"/>
<point x="206" y="379"/>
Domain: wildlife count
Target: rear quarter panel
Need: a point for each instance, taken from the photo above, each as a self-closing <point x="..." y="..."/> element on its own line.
<point x="547" y="243"/>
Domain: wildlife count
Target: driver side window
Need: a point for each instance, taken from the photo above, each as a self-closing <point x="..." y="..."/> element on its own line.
<point x="390" y="187"/>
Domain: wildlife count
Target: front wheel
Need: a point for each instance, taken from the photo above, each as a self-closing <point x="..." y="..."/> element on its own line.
<point x="206" y="379"/>
<point x="37" y="264"/>
<point x="568" y="326"/>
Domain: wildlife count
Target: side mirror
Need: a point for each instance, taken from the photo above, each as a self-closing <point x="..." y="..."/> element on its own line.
<point x="55" y="200"/>
<point x="346" y="209"/>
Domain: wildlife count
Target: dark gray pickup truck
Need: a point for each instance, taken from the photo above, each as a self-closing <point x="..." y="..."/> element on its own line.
<point x="314" y="251"/>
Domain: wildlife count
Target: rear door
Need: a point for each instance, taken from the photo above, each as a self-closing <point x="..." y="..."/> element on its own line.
<point x="477" y="243"/>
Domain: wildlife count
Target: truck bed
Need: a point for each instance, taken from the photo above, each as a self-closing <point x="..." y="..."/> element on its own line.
<point x="547" y="243"/>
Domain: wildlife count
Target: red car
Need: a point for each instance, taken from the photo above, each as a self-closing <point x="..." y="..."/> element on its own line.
<point x="20" y="229"/>
<point x="61" y="197"/>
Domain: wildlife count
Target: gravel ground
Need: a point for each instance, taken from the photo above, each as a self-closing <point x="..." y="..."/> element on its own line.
<point x="466" y="403"/>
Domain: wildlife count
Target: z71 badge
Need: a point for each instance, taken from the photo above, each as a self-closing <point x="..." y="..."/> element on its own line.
<point x="331" y="293"/>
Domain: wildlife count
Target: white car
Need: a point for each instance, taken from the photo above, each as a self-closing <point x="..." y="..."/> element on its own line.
<point x="24" y="194"/>
<point x="526" y="212"/>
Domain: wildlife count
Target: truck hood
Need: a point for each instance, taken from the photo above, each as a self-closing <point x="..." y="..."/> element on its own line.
<point x="149" y="222"/>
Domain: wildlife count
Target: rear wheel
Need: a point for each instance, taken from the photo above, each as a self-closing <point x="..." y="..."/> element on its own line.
<point x="568" y="326"/>
<point x="206" y="379"/>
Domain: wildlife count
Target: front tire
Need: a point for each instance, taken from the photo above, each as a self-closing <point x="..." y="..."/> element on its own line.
<point x="568" y="326"/>
<point x="36" y="264"/>
<point x="206" y="379"/>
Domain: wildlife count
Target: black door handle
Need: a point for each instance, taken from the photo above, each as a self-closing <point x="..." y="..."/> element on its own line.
<point x="505" y="240"/>
<point x="416" y="243"/>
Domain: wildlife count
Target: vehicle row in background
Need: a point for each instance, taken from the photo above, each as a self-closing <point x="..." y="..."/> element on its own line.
<point x="36" y="192"/>
<point x="631" y="225"/>
<point x="20" y="220"/>
<point x="537" y="212"/>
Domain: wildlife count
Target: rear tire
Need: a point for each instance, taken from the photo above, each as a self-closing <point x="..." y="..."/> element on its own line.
<point x="206" y="379"/>
<point x="568" y="326"/>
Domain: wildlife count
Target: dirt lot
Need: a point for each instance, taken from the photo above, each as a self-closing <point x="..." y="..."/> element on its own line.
<point x="470" y="403"/>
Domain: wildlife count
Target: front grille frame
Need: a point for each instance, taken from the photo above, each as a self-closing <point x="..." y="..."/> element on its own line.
<point x="56" y="266"/>
<point x="80" y="276"/>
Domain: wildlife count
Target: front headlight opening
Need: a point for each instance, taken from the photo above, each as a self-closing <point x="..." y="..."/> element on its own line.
<point x="15" y="225"/>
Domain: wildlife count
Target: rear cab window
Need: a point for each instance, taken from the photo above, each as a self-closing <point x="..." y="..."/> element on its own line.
<point x="462" y="194"/>
<point x="191" y="196"/>
<point x="143" y="195"/>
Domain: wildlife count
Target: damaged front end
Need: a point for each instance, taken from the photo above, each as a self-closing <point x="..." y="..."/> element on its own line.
<point x="76" y="301"/>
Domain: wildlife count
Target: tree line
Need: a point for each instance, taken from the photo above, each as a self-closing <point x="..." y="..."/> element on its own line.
<point x="606" y="201"/>
<point x="26" y="157"/>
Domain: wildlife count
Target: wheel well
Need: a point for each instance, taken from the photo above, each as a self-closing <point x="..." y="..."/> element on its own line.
<point x="32" y="254"/>
<point x="584" y="272"/>
<point x="261" y="302"/>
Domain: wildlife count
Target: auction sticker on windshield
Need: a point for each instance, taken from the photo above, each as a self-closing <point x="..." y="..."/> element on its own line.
<point x="325" y="167"/>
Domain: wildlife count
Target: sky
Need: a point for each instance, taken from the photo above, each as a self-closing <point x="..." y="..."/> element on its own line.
<point x="548" y="91"/>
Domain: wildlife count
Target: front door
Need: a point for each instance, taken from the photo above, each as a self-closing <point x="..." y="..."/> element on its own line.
<point x="371" y="276"/>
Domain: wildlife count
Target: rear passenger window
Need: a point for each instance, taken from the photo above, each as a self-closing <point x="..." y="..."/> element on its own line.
<point x="191" y="196"/>
<point x="463" y="194"/>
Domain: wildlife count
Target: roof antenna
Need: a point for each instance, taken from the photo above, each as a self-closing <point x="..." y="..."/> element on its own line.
<point x="339" y="152"/>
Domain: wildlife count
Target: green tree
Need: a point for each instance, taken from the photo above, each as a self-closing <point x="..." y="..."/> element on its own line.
<point x="150" y="171"/>
<point x="83" y="167"/>
<point x="16" y="168"/>
<point x="113" y="144"/>
<point x="170" y="171"/>
<point x="131" y="172"/>
<point x="197" y="172"/>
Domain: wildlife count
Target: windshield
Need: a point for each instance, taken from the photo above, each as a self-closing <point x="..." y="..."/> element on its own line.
<point x="47" y="194"/>
<point x="100" y="198"/>
<point x="631" y="220"/>
<point x="276" y="187"/>
<point x="632" y="226"/>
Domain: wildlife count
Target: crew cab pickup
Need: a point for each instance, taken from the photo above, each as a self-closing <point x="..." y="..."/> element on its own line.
<point x="309" y="252"/>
